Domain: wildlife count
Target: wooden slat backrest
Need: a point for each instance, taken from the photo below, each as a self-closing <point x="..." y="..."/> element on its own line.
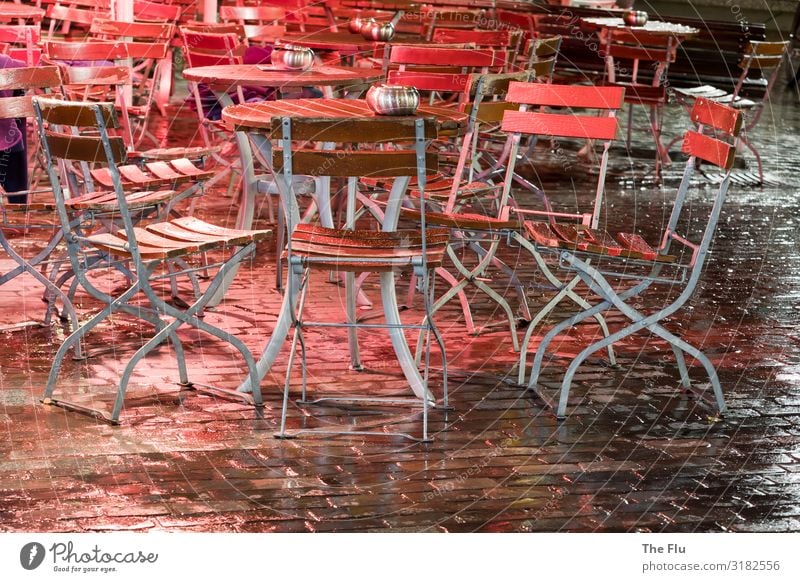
<point x="96" y="76"/>
<point x="210" y="48"/>
<point x="147" y="50"/>
<point x="370" y="164"/>
<point x="516" y="20"/>
<point x="720" y="117"/>
<point x="424" y="81"/>
<point x="544" y="47"/>
<point x="24" y="79"/>
<point x="135" y="30"/>
<point x="485" y="38"/>
<point x="156" y="11"/>
<point x="83" y="16"/>
<point x="764" y="55"/>
<point x="494" y="84"/>
<point x="353" y="130"/>
<point x="566" y="95"/>
<point x="709" y="149"/>
<point x="20" y="33"/>
<point x="85" y="51"/>
<point x="635" y="45"/>
<point x="446" y="57"/>
<point x="560" y="125"/>
<point x="76" y="114"/>
<point x="83" y="148"/>
<point x="259" y="14"/>
<point x="542" y="69"/>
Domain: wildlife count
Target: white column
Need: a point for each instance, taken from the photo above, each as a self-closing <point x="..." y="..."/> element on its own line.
<point x="210" y="10"/>
<point x="123" y="10"/>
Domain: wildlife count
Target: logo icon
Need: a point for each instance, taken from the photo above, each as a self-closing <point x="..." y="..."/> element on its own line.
<point x="31" y="555"/>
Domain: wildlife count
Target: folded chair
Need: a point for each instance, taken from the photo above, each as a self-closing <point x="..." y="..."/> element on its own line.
<point x="762" y="57"/>
<point x="355" y="248"/>
<point x="141" y="252"/>
<point x="603" y="261"/>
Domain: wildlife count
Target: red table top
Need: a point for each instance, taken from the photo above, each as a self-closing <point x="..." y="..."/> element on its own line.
<point x="266" y="76"/>
<point x="258" y="116"/>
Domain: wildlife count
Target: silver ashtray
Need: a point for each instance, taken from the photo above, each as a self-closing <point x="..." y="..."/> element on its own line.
<point x="393" y="99"/>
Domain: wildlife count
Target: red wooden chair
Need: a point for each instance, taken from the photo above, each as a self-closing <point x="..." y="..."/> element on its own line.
<point x="22" y="41"/>
<point x="602" y="260"/>
<point x="639" y="61"/>
<point x="73" y="18"/>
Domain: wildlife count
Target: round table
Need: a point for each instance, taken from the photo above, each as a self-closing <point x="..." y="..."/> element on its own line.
<point x="227" y="76"/>
<point x="256" y="119"/>
<point x="11" y="11"/>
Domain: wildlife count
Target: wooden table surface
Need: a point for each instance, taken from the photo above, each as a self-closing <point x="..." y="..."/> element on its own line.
<point x="258" y="116"/>
<point x="267" y="76"/>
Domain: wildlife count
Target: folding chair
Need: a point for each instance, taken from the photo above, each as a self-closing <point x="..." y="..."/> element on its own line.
<point x="23" y="41"/>
<point x="571" y="119"/>
<point x="352" y="250"/>
<point x="765" y="57"/>
<point x="639" y="61"/>
<point x="600" y="259"/>
<point x="478" y="217"/>
<point x="73" y="18"/>
<point x="78" y="132"/>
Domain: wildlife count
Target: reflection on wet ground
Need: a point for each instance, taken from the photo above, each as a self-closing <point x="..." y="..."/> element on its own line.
<point x="635" y="453"/>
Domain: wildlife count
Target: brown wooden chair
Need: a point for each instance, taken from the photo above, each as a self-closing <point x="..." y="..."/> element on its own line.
<point x="77" y="132"/>
<point x="763" y="57"/>
<point x="350" y="249"/>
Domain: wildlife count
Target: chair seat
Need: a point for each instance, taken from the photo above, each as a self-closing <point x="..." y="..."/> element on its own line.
<point x="167" y="154"/>
<point x="463" y="220"/>
<point x="107" y="201"/>
<point x="354" y="250"/>
<point x="180" y="237"/>
<point x="589" y="240"/>
<point x="439" y="189"/>
<point x="155" y="174"/>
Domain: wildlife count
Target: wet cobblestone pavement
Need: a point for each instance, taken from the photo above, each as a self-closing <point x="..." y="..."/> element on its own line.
<point x="634" y="454"/>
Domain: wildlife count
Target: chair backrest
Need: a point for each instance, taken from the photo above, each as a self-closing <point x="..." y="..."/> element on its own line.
<point x="141" y="31"/>
<point x="67" y="16"/>
<point x="437" y="69"/>
<point x="642" y="52"/>
<point x="576" y="116"/>
<point x="765" y="57"/>
<point x="257" y="21"/>
<point x="203" y="49"/>
<point x="147" y="11"/>
<point x="26" y="80"/>
<point x="541" y="55"/>
<point x="23" y="41"/>
<point x="714" y="142"/>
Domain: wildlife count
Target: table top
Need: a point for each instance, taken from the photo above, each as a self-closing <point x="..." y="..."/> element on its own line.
<point x="258" y="116"/>
<point x="10" y="10"/>
<point x="654" y="26"/>
<point x="267" y="76"/>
